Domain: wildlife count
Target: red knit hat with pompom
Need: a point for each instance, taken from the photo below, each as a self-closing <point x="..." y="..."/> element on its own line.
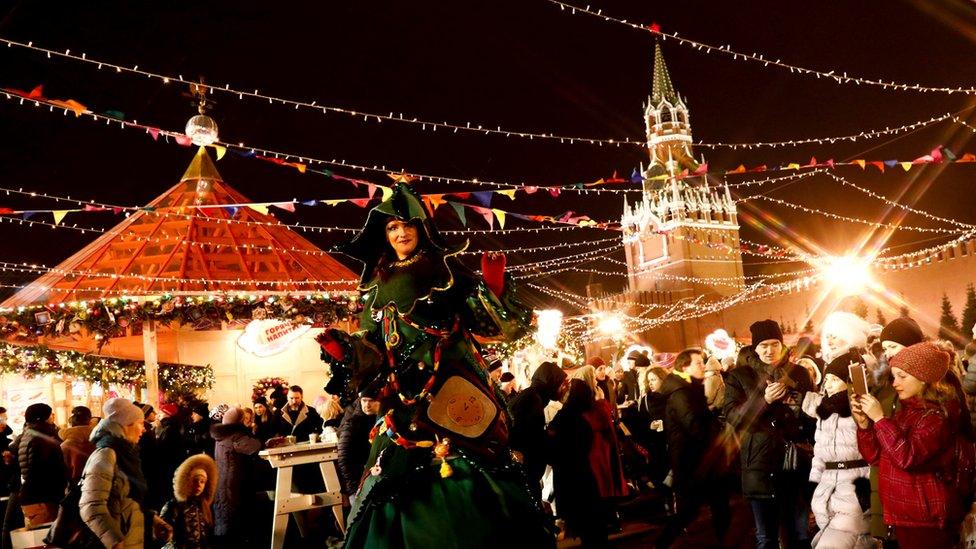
<point x="926" y="361"/>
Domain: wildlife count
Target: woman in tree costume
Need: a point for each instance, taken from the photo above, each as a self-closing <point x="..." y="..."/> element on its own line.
<point x="440" y="472"/>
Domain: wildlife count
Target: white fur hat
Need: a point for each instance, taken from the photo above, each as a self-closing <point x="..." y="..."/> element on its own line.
<point x="847" y="326"/>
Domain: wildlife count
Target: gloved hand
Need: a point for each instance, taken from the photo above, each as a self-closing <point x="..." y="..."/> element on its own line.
<point x="862" y="489"/>
<point x="493" y="272"/>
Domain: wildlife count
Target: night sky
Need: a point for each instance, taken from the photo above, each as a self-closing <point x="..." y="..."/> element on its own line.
<point x="524" y="65"/>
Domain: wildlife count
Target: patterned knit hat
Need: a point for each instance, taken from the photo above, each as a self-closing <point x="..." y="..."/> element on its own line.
<point x="926" y="361"/>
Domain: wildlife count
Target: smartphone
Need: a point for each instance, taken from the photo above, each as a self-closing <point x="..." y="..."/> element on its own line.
<point x="859" y="378"/>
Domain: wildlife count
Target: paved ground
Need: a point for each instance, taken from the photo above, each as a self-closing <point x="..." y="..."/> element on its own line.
<point x="644" y="520"/>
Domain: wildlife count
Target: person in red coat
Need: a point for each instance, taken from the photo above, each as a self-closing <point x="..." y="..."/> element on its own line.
<point x="605" y="449"/>
<point x="915" y="448"/>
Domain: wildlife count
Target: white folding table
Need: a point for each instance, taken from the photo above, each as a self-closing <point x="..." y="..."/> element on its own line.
<point x="284" y="458"/>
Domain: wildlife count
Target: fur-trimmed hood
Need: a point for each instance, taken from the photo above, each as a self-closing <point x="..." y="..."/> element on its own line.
<point x="181" y="479"/>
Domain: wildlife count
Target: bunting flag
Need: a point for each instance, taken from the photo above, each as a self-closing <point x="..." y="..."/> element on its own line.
<point x="487" y="214"/>
<point x="482" y="197"/>
<point x="287" y="206"/>
<point x="59" y="215"/>
<point x="221" y="151"/>
<point x="500" y="216"/>
<point x="231" y="211"/>
<point x="509" y="193"/>
<point x="183" y="140"/>
<point x="154" y="133"/>
<point x="361" y="202"/>
<point x="333" y="202"/>
<point x="260" y="208"/>
<point x="459" y="210"/>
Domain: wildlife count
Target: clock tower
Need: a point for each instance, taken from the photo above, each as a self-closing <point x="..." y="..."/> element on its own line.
<point x="682" y="238"/>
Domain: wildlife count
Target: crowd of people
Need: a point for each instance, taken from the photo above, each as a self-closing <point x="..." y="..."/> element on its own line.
<point x="186" y="478"/>
<point x="862" y="439"/>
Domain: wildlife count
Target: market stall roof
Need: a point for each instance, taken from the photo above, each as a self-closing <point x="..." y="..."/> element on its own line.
<point x="179" y="244"/>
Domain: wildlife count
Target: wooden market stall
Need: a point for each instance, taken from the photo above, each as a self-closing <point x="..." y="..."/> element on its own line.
<point x="178" y="281"/>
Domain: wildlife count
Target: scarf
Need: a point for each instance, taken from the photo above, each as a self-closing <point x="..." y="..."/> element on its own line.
<point x="127" y="460"/>
<point x="835" y="404"/>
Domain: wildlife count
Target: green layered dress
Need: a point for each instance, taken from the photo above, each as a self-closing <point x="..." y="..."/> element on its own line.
<point x="440" y="472"/>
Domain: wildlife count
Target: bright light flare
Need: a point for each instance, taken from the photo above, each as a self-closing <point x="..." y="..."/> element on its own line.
<point x="849" y="275"/>
<point x="611" y="325"/>
<point x="550" y="323"/>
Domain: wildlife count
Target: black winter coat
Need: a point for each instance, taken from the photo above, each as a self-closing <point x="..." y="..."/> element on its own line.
<point x="353" y="446"/>
<point x="575" y="487"/>
<point x="235" y="449"/>
<point x="690" y="428"/>
<point x="764" y="429"/>
<point x="41" y="464"/>
<point x="198" y="434"/>
<point x="528" y="431"/>
<point x="308" y="421"/>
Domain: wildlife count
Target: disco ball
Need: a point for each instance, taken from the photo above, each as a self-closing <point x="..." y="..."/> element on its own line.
<point x="202" y="130"/>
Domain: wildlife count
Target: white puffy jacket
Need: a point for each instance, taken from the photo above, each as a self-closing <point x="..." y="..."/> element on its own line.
<point x="842" y="522"/>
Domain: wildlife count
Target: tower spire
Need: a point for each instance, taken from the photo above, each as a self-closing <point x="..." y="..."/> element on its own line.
<point x="662" y="88"/>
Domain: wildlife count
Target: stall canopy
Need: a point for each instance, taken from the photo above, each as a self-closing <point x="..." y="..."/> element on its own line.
<point x="199" y="237"/>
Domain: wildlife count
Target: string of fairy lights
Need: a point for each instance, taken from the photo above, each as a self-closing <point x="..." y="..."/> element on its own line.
<point x="838" y="77"/>
<point x="467" y="127"/>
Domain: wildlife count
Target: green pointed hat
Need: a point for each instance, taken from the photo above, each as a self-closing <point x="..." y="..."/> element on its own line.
<point x="405" y="205"/>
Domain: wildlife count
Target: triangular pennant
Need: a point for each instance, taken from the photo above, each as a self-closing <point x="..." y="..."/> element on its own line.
<point x="925" y="159"/>
<point x="310" y="202"/>
<point x="936" y="155"/>
<point x="59" y="215"/>
<point x="967" y="157"/>
<point x="221" y="151"/>
<point x="361" y="202"/>
<point x="26" y="214"/>
<point x="740" y="169"/>
<point x="371" y="189"/>
<point x="509" y="193"/>
<point x="759" y="168"/>
<point x="860" y="163"/>
<point x="878" y="164"/>
<point x="702" y="169"/>
<point x="906" y="166"/>
<point x="116" y="211"/>
<point x="500" y="216"/>
<point x="37" y="92"/>
<point x="183" y="140"/>
<point x="154" y="132"/>
<point x="530" y="189"/>
<point x="830" y="162"/>
<point x="635" y="177"/>
<point x="793" y="166"/>
<point x="435" y="200"/>
<point x="554" y="191"/>
<point x="462" y="196"/>
<point x="333" y="201"/>
<point x="459" y="210"/>
<point x="813" y="162"/>
<point x="487" y="214"/>
<point x="387" y="192"/>
<point x="300" y="167"/>
<point x="949" y="154"/>
<point x="260" y="208"/>
<point x="482" y="197"/>
<point x="891" y="163"/>
<point x="287" y="206"/>
<point x="231" y="210"/>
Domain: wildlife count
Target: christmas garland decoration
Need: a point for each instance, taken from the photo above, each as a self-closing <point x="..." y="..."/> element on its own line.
<point x="110" y="317"/>
<point x="32" y="361"/>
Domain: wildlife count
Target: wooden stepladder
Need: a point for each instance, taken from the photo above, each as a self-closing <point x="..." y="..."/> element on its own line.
<point x="284" y="459"/>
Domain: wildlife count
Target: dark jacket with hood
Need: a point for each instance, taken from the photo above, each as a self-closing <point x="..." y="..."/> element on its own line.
<point x="235" y="448"/>
<point x="41" y="462"/>
<point x="353" y="446"/>
<point x="527" y="434"/>
<point x="690" y="428"/>
<point x="764" y="429"/>
<point x="190" y="515"/>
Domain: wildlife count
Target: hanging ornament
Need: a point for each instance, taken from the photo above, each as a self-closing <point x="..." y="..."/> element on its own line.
<point x="201" y="129"/>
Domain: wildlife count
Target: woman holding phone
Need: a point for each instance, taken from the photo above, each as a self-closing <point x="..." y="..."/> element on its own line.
<point x="915" y="447"/>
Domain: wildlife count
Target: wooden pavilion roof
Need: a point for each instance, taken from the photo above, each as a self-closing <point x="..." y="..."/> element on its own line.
<point x="175" y="246"/>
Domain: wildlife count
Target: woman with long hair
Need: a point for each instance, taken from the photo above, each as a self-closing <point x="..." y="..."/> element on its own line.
<point x="650" y="431"/>
<point x="915" y="447"/>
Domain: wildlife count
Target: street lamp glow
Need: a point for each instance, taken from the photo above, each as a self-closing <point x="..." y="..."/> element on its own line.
<point x="848" y="274"/>
<point x="550" y="322"/>
<point x="611" y="325"/>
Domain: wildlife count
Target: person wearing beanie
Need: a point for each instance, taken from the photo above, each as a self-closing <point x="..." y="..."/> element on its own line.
<point x="198" y="431"/>
<point x="842" y="497"/>
<point x="528" y="431"/>
<point x="77" y="446"/>
<point x="917" y="502"/>
<point x="264" y="427"/>
<point x="194" y="489"/>
<point x="763" y="394"/>
<point x="507" y="385"/>
<point x="234" y="451"/>
<point x="842" y="331"/>
<point x="156" y="475"/>
<point x="113" y="493"/>
<point x="42" y="472"/>
<point x="898" y="334"/>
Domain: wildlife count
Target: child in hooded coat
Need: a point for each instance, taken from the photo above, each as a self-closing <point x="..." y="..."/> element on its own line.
<point x="841" y="500"/>
<point x="189" y="512"/>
